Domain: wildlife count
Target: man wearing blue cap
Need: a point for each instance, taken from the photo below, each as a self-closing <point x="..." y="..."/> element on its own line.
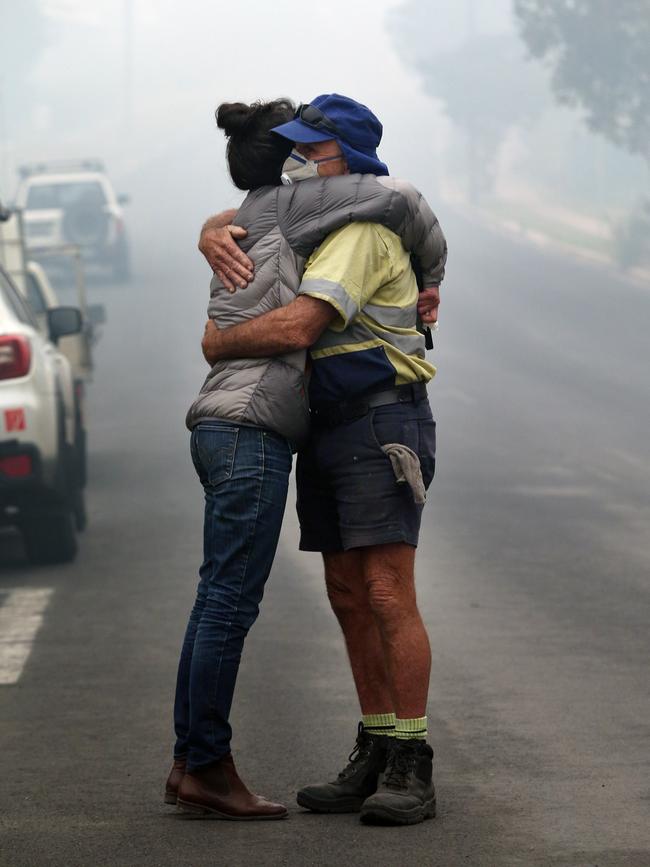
<point x="354" y="127"/>
<point x="362" y="478"/>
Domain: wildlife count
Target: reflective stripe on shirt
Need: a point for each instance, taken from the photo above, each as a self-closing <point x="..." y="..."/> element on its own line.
<point x="363" y="271"/>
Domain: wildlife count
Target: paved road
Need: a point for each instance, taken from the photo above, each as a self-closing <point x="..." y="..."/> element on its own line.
<point x="533" y="577"/>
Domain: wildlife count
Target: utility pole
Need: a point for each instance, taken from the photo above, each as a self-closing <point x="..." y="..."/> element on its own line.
<point x="4" y="139"/>
<point x="471" y="19"/>
<point x="4" y="130"/>
<point x="128" y="67"/>
<point x="472" y="156"/>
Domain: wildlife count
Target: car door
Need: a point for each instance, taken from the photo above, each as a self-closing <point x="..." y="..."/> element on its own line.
<point x="75" y="347"/>
<point x="35" y="313"/>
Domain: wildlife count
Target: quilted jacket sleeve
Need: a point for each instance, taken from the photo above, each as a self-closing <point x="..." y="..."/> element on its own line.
<point x="420" y="231"/>
<point x="310" y="210"/>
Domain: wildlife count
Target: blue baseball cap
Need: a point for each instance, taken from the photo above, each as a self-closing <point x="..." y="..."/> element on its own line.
<point x="350" y="123"/>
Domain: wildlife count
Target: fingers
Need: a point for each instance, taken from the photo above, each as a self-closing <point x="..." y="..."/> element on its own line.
<point x="230" y="286"/>
<point x="242" y="265"/>
<point x="430" y="295"/>
<point x="231" y="265"/>
<point x="237" y="272"/>
<point x="428" y="304"/>
<point x="428" y="312"/>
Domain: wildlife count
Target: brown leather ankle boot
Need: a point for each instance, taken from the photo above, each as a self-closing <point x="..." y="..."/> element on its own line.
<point x="174" y="780"/>
<point x="216" y="790"/>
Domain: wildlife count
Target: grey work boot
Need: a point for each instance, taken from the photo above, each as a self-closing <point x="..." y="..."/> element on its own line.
<point x="355" y="783"/>
<point x="405" y="793"/>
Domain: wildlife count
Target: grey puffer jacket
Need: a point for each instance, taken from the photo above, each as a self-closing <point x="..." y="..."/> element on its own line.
<point x="285" y="224"/>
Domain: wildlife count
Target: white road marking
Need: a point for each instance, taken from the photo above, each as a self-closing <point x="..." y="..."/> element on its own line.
<point x="21" y="616"/>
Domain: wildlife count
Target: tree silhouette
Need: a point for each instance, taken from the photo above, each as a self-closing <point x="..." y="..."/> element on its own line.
<point x="487" y="88"/>
<point x="599" y="55"/>
<point x="485" y="84"/>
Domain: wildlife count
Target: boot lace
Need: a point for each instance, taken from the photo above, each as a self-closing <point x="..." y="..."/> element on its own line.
<point x="400" y="765"/>
<point x="360" y="752"/>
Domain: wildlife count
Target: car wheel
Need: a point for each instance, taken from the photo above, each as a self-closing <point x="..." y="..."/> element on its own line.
<point x="76" y="476"/>
<point x="50" y="535"/>
<point x="80" y="447"/>
<point x="79" y="510"/>
<point x="50" y="538"/>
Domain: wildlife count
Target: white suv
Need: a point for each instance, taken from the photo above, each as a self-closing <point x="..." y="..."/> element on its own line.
<point x="40" y="491"/>
<point x="77" y="348"/>
<point x="74" y="204"/>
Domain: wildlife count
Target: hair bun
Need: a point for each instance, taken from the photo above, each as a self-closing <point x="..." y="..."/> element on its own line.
<point x="234" y="117"/>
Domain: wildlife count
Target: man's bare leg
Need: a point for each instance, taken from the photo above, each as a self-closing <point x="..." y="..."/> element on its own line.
<point x="348" y="595"/>
<point x="388" y="573"/>
<point x="405" y="793"/>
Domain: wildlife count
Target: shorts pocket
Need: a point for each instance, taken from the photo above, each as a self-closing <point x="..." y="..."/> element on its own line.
<point x="398" y="424"/>
<point x="390" y="424"/>
<point x="427" y="449"/>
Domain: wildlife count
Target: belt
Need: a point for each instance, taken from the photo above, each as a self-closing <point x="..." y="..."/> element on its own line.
<point x="349" y="410"/>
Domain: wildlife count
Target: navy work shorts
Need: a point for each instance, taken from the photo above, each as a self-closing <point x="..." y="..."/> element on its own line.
<point x="348" y="496"/>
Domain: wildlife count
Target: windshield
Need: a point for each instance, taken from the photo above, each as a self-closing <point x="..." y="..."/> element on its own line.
<point x="15" y="301"/>
<point x="66" y="195"/>
<point x="34" y="295"/>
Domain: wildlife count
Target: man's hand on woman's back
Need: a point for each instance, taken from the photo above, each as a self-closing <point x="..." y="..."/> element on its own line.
<point x="218" y="243"/>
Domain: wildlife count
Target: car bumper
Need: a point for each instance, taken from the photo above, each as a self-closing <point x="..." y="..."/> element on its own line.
<point x="22" y="482"/>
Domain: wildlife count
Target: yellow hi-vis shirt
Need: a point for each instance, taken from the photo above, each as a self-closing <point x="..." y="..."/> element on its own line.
<point x="363" y="271"/>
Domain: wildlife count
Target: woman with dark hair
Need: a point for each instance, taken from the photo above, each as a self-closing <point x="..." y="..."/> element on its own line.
<point x="249" y="417"/>
<point x="255" y="154"/>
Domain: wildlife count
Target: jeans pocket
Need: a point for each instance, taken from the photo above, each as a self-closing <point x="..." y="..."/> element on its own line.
<point x="214" y="453"/>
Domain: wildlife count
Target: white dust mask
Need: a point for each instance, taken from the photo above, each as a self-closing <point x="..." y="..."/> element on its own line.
<point x="299" y="168"/>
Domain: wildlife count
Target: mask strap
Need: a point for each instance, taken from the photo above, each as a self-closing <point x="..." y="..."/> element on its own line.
<point x="329" y="159"/>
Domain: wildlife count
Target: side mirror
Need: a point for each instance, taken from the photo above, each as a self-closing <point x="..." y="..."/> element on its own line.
<point x="123" y="199"/>
<point x="62" y="321"/>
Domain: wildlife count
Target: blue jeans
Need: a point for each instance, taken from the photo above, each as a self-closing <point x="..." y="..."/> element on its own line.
<point x="244" y="472"/>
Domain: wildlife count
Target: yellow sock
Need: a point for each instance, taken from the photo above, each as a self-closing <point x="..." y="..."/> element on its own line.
<point x="379" y="723"/>
<point x="406" y="729"/>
